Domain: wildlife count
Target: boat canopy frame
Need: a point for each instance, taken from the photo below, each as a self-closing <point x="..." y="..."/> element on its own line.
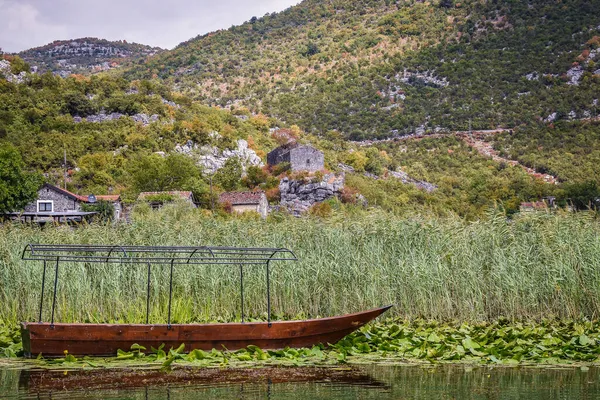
<point x="152" y="255"/>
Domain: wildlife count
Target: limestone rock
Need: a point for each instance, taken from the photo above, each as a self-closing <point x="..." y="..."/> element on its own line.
<point x="406" y="179"/>
<point x="211" y="158"/>
<point x="297" y="196"/>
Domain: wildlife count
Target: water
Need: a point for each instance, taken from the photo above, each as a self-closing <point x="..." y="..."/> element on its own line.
<point x="373" y="382"/>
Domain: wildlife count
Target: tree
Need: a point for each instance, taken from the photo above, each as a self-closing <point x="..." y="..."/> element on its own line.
<point x="153" y="173"/>
<point x="582" y="195"/>
<point x="77" y="103"/>
<point x="105" y="210"/>
<point x="229" y="176"/>
<point x="17" y="187"/>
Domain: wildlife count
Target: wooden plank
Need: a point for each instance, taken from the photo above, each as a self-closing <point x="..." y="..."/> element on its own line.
<point x="106" y="339"/>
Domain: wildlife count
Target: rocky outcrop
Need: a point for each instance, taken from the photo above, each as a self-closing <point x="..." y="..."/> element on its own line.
<point x="297" y="196"/>
<point x="403" y="176"/>
<point x="406" y="179"/>
<point x="8" y="75"/>
<point x="144" y="119"/>
<point x="211" y="158"/>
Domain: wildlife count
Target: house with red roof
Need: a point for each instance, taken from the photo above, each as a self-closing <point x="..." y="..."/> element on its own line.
<point x="60" y="205"/>
<point x="241" y="202"/>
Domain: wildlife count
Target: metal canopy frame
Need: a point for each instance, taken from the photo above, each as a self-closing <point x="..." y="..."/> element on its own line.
<point x="152" y="255"/>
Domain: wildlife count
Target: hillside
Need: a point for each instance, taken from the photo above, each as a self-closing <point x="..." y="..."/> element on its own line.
<point x="85" y="55"/>
<point x="375" y="68"/>
<point x="127" y="137"/>
<point x="333" y="71"/>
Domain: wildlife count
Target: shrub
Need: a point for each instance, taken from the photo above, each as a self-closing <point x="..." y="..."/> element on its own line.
<point x="348" y="195"/>
<point x="273" y="195"/>
<point x="321" y="210"/>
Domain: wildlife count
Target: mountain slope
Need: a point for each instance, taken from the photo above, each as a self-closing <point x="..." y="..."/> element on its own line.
<point x="374" y="68"/>
<point x="85" y="55"/>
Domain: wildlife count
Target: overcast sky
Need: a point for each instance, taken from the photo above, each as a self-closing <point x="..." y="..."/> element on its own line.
<point x="163" y="23"/>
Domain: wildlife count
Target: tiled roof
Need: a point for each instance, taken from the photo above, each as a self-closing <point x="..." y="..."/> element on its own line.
<point x="239" y="198"/>
<point x="108" y="197"/>
<point x="537" y="204"/>
<point x="84" y="199"/>
<point x="184" y="195"/>
<point x="66" y="193"/>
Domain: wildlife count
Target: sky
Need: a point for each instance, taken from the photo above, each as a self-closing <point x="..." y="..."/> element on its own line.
<point x="163" y="23"/>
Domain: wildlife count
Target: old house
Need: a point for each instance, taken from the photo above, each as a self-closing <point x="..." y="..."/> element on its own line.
<point x="60" y="205"/>
<point x="158" y="199"/>
<point x="300" y="157"/>
<point x="241" y="202"/>
<point x="533" y="206"/>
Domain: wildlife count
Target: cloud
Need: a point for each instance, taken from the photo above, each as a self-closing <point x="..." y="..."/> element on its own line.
<point x="22" y="26"/>
<point x="161" y="23"/>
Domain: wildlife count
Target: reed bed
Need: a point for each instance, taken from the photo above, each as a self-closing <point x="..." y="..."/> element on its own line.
<point x="531" y="268"/>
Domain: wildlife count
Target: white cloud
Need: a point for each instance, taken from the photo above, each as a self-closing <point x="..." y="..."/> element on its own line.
<point x="23" y="26"/>
<point x="161" y="23"/>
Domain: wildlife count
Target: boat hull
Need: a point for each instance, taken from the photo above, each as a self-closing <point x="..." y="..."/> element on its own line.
<point x="105" y="339"/>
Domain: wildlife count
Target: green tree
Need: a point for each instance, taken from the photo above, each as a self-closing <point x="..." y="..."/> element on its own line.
<point x="229" y="176"/>
<point x="105" y="210"/>
<point x="17" y="187"/>
<point x="153" y="173"/>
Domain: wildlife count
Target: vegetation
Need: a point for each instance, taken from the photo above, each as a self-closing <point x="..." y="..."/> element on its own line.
<point x="17" y="187"/>
<point x="85" y="55"/>
<point x="39" y="118"/>
<point x="538" y="266"/>
<point x="393" y="340"/>
<point x="569" y="150"/>
<point x="371" y="68"/>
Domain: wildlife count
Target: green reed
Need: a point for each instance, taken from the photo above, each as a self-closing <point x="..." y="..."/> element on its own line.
<point x="537" y="266"/>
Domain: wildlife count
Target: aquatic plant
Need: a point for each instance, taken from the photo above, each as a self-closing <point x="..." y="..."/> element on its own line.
<point x="390" y="341"/>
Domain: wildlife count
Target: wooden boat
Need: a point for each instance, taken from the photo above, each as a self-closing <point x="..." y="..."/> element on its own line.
<point x="52" y="339"/>
<point x="105" y="339"/>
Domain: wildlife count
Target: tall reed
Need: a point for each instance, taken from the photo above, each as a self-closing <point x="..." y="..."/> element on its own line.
<point x="534" y="267"/>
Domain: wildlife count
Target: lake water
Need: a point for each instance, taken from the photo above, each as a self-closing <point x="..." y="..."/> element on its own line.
<point x="372" y="382"/>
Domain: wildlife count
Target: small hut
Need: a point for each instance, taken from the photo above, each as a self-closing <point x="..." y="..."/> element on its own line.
<point x="241" y="202"/>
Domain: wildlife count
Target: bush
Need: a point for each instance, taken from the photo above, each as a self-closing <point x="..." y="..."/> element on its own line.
<point x="349" y="195"/>
<point x="321" y="210"/>
<point x="273" y="195"/>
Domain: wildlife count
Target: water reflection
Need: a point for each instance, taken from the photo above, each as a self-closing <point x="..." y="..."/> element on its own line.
<point x="373" y="382"/>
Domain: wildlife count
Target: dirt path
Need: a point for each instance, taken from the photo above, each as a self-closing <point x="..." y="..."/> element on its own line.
<point x="485" y="149"/>
<point x="474" y="139"/>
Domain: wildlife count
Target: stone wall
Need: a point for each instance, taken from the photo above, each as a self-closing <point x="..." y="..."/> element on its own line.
<point x="62" y="203"/>
<point x="306" y="158"/>
<point x="298" y="196"/>
<point x="300" y="157"/>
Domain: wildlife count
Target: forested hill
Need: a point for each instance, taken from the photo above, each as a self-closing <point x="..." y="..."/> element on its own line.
<point x="371" y="68"/>
<point x="85" y="55"/>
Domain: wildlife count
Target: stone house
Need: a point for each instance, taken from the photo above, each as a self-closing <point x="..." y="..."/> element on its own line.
<point x="533" y="206"/>
<point x="61" y="205"/>
<point x="246" y="201"/>
<point x="158" y="199"/>
<point x="300" y="157"/>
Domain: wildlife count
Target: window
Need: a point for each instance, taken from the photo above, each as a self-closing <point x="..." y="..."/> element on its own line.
<point x="45" y="205"/>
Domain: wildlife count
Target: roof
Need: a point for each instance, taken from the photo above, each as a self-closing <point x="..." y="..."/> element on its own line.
<point x="66" y="192"/>
<point x="84" y="199"/>
<point x="537" y="204"/>
<point x="294" y="145"/>
<point x="181" y="194"/>
<point x="240" y="198"/>
<point x="108" y="197"/>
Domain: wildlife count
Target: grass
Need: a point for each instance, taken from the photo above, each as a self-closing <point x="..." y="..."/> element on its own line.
<point x="535" y="267"/>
